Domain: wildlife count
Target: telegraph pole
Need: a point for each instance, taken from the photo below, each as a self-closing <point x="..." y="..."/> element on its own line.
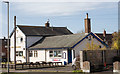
<point x="15" y="41"/>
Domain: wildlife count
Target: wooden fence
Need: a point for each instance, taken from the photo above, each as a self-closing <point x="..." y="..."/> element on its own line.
<point x="32" y="65"/>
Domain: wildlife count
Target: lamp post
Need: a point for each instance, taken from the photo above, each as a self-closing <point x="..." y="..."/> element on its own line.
<point x="8" y="34"/>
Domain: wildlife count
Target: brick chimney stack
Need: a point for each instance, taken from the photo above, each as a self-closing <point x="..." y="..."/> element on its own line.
<point x="87" y="24"/>
<point x="47" y="24"/>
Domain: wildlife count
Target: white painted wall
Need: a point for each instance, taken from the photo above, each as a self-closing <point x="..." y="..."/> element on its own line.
<point x="19" y="45"/>
<point x="41" y="56"/>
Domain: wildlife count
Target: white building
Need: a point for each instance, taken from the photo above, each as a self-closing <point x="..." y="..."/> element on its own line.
<point x="27" y="36"/>
<point x="63" y="48"/>
<point x="35" y="43"/>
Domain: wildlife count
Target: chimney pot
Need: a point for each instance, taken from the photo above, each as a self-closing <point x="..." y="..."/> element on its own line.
<point x="4" y="38"/>
<point x="104" y="33"/>
<point x="87" y="15"/>
<point x="47" y="24"/>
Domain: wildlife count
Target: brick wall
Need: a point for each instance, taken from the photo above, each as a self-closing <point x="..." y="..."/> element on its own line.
<point x="99" y="57"/>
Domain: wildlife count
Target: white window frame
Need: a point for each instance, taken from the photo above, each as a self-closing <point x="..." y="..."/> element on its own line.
<point x="35" y="53"/>
<point x="31" y="53"/>
<point x="18" y="53"/>
<point x="57" y="54"/>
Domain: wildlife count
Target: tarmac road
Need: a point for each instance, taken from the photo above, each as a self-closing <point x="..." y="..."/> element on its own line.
<point x="66" y="73"/>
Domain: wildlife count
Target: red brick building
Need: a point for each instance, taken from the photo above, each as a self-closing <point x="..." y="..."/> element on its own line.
<point x="3" y="49"/>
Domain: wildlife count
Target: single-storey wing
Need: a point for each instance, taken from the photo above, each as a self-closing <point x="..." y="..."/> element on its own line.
<point x="63" y="48"/>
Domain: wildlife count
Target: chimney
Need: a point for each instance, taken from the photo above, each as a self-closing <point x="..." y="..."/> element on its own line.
<point x="104" y="33"/>
<point x="87" y="24"/>
<point x="47" y="24"/>
<point x="4" y="38"/>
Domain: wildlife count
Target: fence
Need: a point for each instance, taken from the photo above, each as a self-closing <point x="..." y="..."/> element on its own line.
<point x="98" y="58"/>
<point x="32" y="65"/>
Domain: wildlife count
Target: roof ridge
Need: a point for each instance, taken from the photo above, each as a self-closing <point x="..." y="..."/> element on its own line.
<point x="39" y="26"/>
<point x="66" y="35"/>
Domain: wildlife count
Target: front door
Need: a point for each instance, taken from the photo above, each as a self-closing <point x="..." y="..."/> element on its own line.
<point x="69" y="56"/>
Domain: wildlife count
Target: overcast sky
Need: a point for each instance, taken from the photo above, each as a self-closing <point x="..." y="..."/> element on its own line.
<point x="104" y="15"/>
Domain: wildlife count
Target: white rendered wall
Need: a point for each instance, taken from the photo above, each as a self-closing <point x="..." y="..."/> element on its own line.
<point x="41" y="56"/>
<point x="19" y="45"/>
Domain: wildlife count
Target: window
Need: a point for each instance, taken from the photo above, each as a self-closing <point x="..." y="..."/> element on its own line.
<point x="64" y="55"/>
<point x="23" y="48"/>
<point x="51" y="53"/>
<point x="19" y="53"/>
<point x="55" y="53"/>
<point x="35" y="54"/>
<point x="30" y="53"/>
<point x="21" y="39"/>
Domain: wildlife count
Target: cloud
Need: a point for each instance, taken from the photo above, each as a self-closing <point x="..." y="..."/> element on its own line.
<point x="52" y="8"/>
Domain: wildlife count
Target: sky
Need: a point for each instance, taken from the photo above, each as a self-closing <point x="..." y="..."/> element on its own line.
<point x="70" y="14"/>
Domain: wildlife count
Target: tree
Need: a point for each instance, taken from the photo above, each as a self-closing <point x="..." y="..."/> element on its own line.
<point x="92" y="46"/>
<point x="116" y="40"/>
